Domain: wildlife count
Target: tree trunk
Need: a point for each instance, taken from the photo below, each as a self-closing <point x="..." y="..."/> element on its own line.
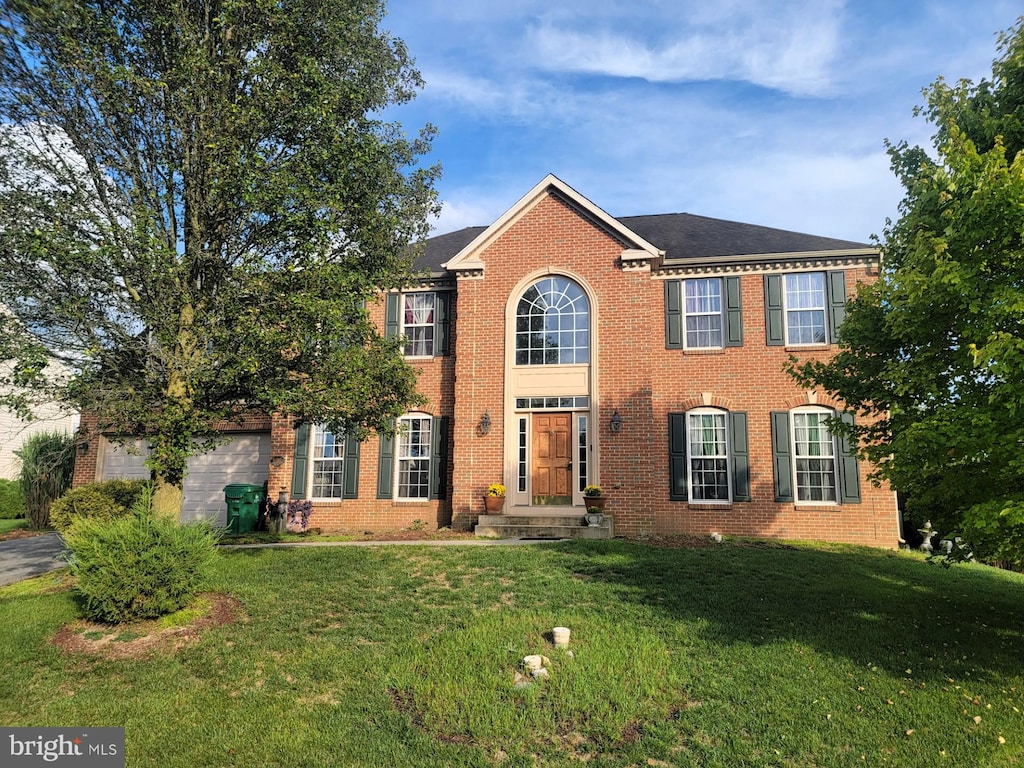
<point x="167" y="499"/>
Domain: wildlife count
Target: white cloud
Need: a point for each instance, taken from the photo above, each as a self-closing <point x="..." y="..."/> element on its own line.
<point x="783" y="46"/>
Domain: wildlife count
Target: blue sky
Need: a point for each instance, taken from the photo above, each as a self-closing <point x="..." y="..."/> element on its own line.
<point x="771" y="112"/>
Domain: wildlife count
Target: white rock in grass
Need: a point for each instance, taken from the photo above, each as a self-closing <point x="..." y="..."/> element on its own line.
<point x="540" y="674"/>
<point x="535" y="661"/>
<point x="716" y="537"/>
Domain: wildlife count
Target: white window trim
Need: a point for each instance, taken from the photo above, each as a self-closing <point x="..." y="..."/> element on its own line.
<point x="720" y="313"/>
<point x="827" y="413"/>
<point x="689" y="457"/>
<point x="402" y="325"/>
<point x="786" y="311"/>
<point x="397" y="480"/>
<point x="339" y="440"/>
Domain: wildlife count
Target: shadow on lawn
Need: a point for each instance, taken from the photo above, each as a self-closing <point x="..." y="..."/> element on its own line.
<point x="873" y="607"/>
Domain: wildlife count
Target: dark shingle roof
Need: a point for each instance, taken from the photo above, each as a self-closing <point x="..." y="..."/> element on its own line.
<point x="689" y="237"/>
<point x="683" y="237"/>
<point x="437" y="250"/>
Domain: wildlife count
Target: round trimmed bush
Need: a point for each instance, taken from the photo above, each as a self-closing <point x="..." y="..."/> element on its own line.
<point x="141" y="566"/>
<point x="107" y="500"/>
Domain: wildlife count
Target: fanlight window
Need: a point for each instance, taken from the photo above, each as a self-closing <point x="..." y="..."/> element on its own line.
<point x="553" y="324"/>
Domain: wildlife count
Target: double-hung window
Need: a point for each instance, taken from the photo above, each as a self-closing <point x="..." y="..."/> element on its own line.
<point x="814" y="452"/>
<point x="414" y="442"/>
<point x="812" y="464"/>
<point x="422" y="318"/>
<point x="709" y="459"/>
<point x="702" y="311"/>
<point x="326" y="464"/>
<point x="328" y="459"/>
<point x="806" y="307"/>
<point x="418" y="324"/>
<point x="708" y="455"/>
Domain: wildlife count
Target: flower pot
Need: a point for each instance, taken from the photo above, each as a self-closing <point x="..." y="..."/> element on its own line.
<point x="494" y="504"/>
<point x="595" y="502"/>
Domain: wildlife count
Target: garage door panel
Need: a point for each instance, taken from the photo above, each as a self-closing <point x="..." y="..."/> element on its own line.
<point x="124" y="460"/>
<point x="245" y="459"/>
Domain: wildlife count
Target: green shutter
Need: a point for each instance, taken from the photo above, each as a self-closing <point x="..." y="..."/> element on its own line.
<point x="673" y="315"/>
<point x="836" y="301"/>
<point x="773" y="311"/>
<point x="733" y="315"/>
<point x="677" y="456"/>
<point x="849" y="469"/>
<point x="391" y="325"/>
<point x="351" y="468"/>
<point x="439" y="459"/>
<point x="300" y="465"/>
<point x="385" y="467"/>
<point x="442" y="323"/>
<point x="782" y="456"/>
<point x="739" y="456"/>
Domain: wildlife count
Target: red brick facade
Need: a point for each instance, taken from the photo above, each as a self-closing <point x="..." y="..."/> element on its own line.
<point x="630" y="372"/>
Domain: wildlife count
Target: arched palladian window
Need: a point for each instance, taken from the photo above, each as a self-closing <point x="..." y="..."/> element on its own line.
<point x="553" y="324"/>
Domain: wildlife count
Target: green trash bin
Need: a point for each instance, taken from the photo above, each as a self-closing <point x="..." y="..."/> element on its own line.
<point x="243" y="500"/>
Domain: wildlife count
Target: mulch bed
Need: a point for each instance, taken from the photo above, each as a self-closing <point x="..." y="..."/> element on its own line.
<point x="144" y="638"/>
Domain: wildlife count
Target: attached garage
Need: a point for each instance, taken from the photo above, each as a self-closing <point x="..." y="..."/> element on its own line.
<point x="245" y="459"/>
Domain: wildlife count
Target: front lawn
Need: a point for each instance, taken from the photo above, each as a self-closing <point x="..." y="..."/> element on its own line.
<point x="733" y="655"/>
<point x="9" y="526"/>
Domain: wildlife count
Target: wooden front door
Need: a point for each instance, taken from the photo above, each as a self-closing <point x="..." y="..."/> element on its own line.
<point x="552" y="459"/>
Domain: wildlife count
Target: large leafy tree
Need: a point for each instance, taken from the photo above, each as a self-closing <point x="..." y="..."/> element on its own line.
<point x="934" y="350"/>
<point x="197" y="199"/>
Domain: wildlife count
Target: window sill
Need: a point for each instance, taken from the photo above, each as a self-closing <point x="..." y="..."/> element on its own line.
<point x="807" y="347"/>
<point x="717" y="505"/>
<point x="705" y="351"/>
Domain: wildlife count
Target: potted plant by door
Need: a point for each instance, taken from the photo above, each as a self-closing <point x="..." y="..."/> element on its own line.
<point x="595" y="501"/>
<point x="494" y="499"/>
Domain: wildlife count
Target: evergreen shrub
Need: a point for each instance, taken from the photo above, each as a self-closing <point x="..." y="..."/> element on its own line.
<point x="106" y="500"/>
<point x="140" y="566"/>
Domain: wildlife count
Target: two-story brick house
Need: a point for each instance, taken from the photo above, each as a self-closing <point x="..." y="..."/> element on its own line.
<point x="560" y="347"/>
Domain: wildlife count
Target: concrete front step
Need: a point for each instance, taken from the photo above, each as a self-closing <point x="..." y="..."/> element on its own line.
<point x="543" y="527"/>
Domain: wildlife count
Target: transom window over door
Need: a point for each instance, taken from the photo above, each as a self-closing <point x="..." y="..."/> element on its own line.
<point x="553" y="324"/>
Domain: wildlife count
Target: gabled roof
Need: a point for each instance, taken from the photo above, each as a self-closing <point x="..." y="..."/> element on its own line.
<point x="677" y="238"/>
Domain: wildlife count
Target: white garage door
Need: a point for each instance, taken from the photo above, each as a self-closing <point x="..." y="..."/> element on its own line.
<point x="243" y="460"/>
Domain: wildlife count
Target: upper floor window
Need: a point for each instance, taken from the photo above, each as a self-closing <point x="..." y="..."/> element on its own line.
<point x="703" y="313"/>
<point x="806" y="306"/>
<point x="418" y="324"/>
<point x="422" y="318"/>
<point x="553" y="324"/>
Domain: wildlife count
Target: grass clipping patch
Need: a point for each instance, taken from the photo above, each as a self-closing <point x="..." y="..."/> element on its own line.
<point x="459" y="686"/>
<point x="142" y="638"/>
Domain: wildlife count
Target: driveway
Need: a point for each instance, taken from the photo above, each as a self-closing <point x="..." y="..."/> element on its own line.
<point x="21" y="558"/>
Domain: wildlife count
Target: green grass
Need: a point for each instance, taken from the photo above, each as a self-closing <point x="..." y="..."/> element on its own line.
<point x="405" y="656"/>
<point x="6" y="526"/>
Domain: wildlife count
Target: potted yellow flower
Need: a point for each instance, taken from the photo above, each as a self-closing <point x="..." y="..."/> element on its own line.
<point x="494" y="499"/>
<point x="594" y="499"/>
